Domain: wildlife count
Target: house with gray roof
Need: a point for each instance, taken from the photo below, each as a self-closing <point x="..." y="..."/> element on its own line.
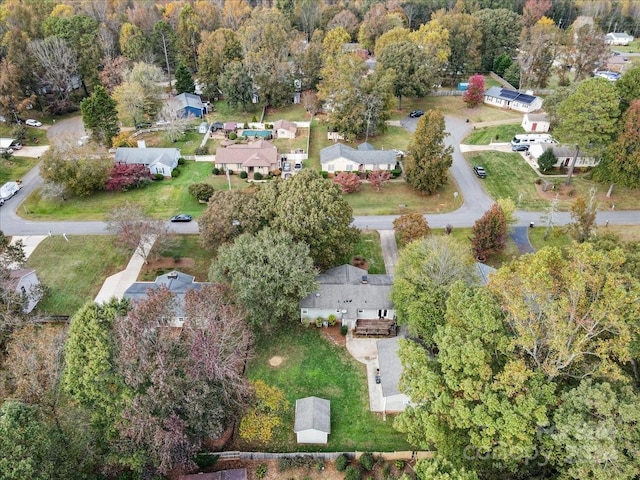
<point x="350" y="294"/>
<point x="343" y="158"/>
<point x="564" y="155"/>
<point x="157" y="160"/>
<point x="189" y="104"/>
<point x="177" y="283"/>
<point x="512" y="100"/>
<point x="618" y="38"/>
<point x="312" y="420"/>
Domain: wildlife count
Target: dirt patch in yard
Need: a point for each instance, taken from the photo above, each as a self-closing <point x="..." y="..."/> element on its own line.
<point x="334" y="335"/>
<point x="276" y="361"/>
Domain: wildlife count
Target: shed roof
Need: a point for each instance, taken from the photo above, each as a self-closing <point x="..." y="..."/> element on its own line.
<point x="510" y="95"/>
<point x="147" y="156"/>
<point x="313" y="413"/>
<point x="285" y="124"/>
<point x="537" y="117"/>
<point x="362" y="157"/>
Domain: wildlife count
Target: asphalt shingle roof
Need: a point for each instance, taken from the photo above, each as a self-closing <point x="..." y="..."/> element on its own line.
<point x="362" y="157"/>
<point x="313" y="413"/>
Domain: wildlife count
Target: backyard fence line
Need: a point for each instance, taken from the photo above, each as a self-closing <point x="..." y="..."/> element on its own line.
<point x="446" y="93"/>
<point x="400" y="455"/>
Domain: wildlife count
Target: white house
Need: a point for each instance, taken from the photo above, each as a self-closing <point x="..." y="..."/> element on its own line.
<point x="351" y="294"/>
<point x="536" y="122"/>
<point x="312" y="420"/>
<point x="512" y="100"/>
<point x="564" y="154"/>
<point x="26" y="282"/>
<point x="284" y="129"/>
<point x="343" y="158"/>
<point x="616" y="38"/>
<point x="157" y="160"/>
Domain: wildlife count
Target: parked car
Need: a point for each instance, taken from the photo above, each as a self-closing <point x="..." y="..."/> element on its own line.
<point x="286" y="167"/>
<point x="480" y="172"/>
<point x="297" y="167"/>
<point x="16" y="146"/>
<point x="142" y="125"/>
<point x="33" y="123"/>
<point x="520" y="148"/>
<point x="6" y="150"/>
<point x="416" y="113"/>
<point x="182" y="217"/>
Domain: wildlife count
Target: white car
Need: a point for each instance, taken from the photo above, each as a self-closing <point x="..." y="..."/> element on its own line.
<point x="33" y="123"/>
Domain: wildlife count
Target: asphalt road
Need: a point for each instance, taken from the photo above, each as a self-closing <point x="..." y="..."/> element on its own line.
<point x="476" y="199"/>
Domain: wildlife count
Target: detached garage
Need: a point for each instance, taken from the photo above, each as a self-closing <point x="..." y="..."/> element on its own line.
<point x="313" y="420"/>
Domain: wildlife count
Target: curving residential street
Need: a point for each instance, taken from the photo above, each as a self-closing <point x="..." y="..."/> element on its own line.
<point x="476" y="200"/>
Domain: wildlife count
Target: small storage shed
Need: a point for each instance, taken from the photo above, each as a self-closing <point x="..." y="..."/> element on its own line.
<point x="203" y="127"/>
<point x="313" y="420"/>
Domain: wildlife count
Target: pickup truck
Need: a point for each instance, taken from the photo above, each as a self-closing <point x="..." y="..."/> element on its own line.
<point x="8" y="190"/>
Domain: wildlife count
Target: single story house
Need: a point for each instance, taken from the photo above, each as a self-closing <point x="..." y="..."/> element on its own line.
<point x="178" y="284"/>
<point x="512" y="99"/>
<point x="616" y="38"/>
<point x="259" y="156"/>
<point x="312" y="420"/>
<point x="235" y="474"/>
<point x="343" y="158"/>
<point x="26" y="282"/>
<point x="284" y="129"/>
<point x="564" y="154"/>
<point x="351" y="294"/>
<point x="536" y="122"/>
<point x="616" y="63"/>
<point x="157" y="160"/>
<point x="390" y="370"/>
<point x="188" y="104"/>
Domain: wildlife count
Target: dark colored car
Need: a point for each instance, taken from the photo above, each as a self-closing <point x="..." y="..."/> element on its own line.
<point x="183" y="217"/>
<point x="480" y="172"/>
<point x="520" y="148"/>
<point x="142" y="125"/>
<point x="416" y="113"/>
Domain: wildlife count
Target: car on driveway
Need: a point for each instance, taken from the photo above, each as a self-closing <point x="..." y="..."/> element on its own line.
<point x="520" y="148"/>
<point x="416" y="113"/>
<point x="16" y="146"/>
<point x="183" y="217"/>
<point x="480" y="171"/>
<point x="286" y="167"/>
<point x="33" y="123"/>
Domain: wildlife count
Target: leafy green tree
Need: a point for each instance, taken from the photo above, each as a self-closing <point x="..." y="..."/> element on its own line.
<point x="201" y="191"/>
<point x="410" y="227"/>
<point x="229" y="214"/>
<point x="500" y="28"/>
<point x="585" y="49"/>
<point x="465" y="41"/>
<point x="269" y="272"/>
<point x="332" y="44"/>
<point x="426" y="271"/>
<point x="188" y="33"/>
<point x="442" y="469"/>
<point x="184" y="80"/>
<point x="540" y="46"/>
<point x="134" y="44"/>
<point x="313" y="210"/>
<point x="490" y="232"/>
<point x="512" y="74"/>
<point x="428" y="160"/>
<point x="596" y="432"/>
<point x="377" y="20"/>
<point x="547" y="161"/>
<point x="216" y="50"/>
<point x="236" y="85"/>
<point x="569" y="311"/>
<point x="90" y="375"/>
<point x="621" y="162"/>
<point x="501" y="63"/>
<point x="100" y="116"/>
<point x="628" y="87"/>
<point x="139" y="97"/>
<point x="82" y="171"/>
<point x="413" y="75"/>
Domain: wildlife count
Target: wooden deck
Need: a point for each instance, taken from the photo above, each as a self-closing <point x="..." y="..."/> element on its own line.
<point x="379" y="327"/>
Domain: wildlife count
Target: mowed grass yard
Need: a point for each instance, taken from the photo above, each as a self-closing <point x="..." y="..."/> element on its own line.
<point x="14" y="168"/>
<point x="160" y="199"/>
<point x="498" y="133"/>
<point x="75" y="270"/>
<point x="313" y="366"/>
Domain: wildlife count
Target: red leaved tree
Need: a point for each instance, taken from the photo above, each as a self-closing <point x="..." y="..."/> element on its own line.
<point x="124" y="177"/>
<point x="490" y="232"/>
<point x="475" y="92"/>
<point x="377" y="178"/>
<point x="350" y="182"/>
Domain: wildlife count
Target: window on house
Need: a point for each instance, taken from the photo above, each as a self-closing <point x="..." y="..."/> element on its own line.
<point x="360" y="311"/>
<point x="239" y="166"/>
<point x="331" y="167"/>
<point x="305" y="310"/>
<point x="349" y="168"/>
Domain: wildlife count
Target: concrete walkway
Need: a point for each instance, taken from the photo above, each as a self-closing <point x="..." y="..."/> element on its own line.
<point x="389" y="250"/>
<point x="30" y="242"/>
<point x="365" y="351"/>
<point x="115" y="285"/>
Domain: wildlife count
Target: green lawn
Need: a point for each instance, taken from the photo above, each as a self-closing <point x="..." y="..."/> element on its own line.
<point x="369" y="247"/>
<point x="14" y="168"/>
<point x="293" y="113"/>
<point x="498" y="133"/>
<point x="188" y="257"/>
<point x="314" y="366"/>
<point x="187" y="145"/>
<point x="454" y="106"/>
<point x="160" y="199"/>
<point x="74" y="271"/>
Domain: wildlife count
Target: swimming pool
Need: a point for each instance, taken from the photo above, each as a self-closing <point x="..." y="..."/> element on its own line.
<point x="257" y="133"/>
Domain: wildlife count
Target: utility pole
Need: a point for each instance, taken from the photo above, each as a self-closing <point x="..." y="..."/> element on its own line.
<point x="572" y="165"/>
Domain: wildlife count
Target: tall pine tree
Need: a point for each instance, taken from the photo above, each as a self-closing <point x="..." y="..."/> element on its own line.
<point x="184" y="80"/>
<point x="428" y="160"/>
<point x="100" y="116"/>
